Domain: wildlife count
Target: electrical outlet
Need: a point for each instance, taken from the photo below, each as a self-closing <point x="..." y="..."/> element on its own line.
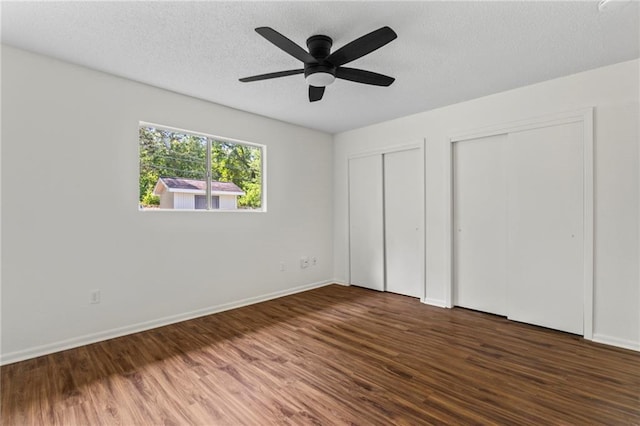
<point x="304" y="262"/>
<point x="95" y="296"/>
<point x="314" y="261"/>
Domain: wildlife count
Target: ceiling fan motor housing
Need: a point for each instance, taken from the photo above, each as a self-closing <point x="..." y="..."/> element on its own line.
<point x="320" y="74"/>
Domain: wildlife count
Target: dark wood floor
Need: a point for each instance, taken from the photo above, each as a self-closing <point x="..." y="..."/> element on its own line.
<point x="335" y="355"/>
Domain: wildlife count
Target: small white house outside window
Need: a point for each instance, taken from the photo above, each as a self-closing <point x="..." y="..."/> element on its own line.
<point x="190" y="194"/>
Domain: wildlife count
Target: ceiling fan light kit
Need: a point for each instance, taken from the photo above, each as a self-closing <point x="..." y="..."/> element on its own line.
<point x="320" y="79"/>
<point x="321" y="67"/>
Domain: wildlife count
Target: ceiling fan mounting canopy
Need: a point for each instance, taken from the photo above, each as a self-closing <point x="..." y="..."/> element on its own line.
<point x="319" y="46"/>
<point x="321" y="67"/>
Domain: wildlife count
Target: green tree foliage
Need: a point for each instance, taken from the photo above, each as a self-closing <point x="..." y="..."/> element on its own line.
<point x="164" y="153"/>
<point x="240" y="164"/>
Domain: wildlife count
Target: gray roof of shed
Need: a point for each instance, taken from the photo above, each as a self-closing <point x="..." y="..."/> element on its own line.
<point x="199" y="185"/>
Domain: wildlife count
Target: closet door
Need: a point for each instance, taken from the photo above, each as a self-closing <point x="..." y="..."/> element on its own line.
<point x="366" y="238"/>
<point x="479" y="218"/>
<point x="403" y="215"/>
<point x="545" y="222"/>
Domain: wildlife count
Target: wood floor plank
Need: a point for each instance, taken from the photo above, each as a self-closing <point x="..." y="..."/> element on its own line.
<point x="334" y="355"/>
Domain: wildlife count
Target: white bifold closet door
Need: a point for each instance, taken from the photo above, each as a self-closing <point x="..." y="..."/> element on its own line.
<point x="403" y="217"/>
<point x="518" y="226"/>
<point x="386" y="216"/>
<point x="480" y="217"/>
<point x="366" y="225"/>
<point x="546" y="227"/>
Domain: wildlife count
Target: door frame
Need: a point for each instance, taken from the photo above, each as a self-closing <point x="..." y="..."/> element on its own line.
<point x="416" y="144"/>
<point x="584" y="116"/>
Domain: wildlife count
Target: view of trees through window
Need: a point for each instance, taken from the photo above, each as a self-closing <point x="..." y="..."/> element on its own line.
<point x="173" y="171"/>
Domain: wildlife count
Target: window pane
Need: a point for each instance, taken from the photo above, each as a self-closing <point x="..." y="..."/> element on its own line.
<point x="236" y="175"/>
<point x="172" y="168"/>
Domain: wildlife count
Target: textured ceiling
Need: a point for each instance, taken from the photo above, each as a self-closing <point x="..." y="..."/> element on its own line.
<point x="446" y="52"/>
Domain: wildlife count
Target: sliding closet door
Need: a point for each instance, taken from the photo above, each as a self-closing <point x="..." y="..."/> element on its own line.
<point x="545" y="222"/>
<point x="403" y="207"/>
<point x="480" y="217"/>
<point x="366" y="239"/>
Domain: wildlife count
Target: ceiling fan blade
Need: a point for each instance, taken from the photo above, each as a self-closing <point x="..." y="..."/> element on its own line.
<point x="365" y="77"/>
<point x="362" y="46"/>
<point x="315" y="93"/>
<point x="287" y="45"/>
<point x="271" y="75"/>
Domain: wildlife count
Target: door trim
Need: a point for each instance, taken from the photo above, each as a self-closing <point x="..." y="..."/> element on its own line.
<point x="584" y="116"/>
<point x="416" y="144"/>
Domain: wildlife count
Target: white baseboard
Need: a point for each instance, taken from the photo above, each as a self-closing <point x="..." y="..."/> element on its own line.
<point x="341" y="283"/>
<point x="88" y="339"/>
<point x="434" y="302"/>
<point x="614" y="341"/>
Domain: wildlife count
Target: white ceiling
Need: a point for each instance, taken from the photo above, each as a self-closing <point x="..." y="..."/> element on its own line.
<point x="446" y="52"/>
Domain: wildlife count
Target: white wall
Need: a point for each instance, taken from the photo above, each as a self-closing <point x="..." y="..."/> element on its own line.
<point x="67" y="130"/>
<point x="613" y="91"/>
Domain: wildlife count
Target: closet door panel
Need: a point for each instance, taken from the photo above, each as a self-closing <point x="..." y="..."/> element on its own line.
<point x="366" y="238"/>
<point x="480" y="231"/>
<point x="403" y="200"/>
<point x="545" y="227"/>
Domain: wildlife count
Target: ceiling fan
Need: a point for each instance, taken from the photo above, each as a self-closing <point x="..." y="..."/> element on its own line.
<point x="321" y="67"/>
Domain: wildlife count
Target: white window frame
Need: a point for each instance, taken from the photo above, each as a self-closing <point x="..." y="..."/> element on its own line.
<point x="263" y="173"/>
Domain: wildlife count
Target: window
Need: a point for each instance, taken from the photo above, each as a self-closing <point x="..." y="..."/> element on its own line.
<point x="182" y="170"/>
<point x="201" y="202"/>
